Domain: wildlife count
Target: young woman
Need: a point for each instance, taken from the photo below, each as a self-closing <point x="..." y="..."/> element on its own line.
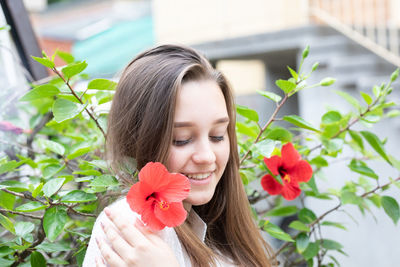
<point x="171" y="106"/>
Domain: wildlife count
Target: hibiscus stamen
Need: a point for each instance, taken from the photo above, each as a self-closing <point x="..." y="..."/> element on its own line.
<point x="286" y="178"/>
<point x="163" y="205"/>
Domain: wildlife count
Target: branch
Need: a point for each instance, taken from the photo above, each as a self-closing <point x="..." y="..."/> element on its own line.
<point x="22" y="214"/>
<point x="45" y="119"/>
<point x="79" y="99"/>
<point x="316" y="221"/>
<point x="271" y="119"/>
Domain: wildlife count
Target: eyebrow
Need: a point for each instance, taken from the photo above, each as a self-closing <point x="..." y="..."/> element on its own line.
<point x="190" y="124"/>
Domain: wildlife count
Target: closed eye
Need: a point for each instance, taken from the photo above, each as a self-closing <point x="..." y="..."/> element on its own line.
<point x="181" y="142"/>
<point x="217" y="138"/>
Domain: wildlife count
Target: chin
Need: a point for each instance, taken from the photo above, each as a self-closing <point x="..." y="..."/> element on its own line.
<point x="198" y="199"/>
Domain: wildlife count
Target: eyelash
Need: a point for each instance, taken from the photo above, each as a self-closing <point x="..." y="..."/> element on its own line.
<point x="215" y="139"/>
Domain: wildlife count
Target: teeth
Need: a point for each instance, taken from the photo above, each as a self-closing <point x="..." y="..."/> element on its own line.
<point x="198" y="176"/>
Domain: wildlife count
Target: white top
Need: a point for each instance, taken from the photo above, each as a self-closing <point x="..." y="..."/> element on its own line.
<point x="167" y="234"/>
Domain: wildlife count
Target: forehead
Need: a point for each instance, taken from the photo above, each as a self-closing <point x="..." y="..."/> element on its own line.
<point x="200" y="100"/>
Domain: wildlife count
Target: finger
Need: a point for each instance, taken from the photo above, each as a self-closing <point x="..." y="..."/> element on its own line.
<point x="112" y="258"/>
<point x="99" y="262"/>
<point x="129" y="232"/>
<point x="118" y="243"/>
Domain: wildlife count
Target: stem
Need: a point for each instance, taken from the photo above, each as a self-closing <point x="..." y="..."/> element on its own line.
<point x="271" y="119"/>
<point x="80" y="101"/>
<point x="22" y="214"/>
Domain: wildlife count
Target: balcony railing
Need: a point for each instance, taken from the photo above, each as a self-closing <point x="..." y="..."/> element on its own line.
<point x="371" y="23"/>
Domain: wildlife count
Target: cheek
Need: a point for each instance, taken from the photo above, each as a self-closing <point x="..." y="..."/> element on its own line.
<point x="223" y="154"/>
<point x="176" y="160"/>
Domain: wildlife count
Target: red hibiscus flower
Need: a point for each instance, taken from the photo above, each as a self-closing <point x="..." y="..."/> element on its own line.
<point x="6" y="126"/>
<point x="291" y="169"/>
<point x="158" y="196"/>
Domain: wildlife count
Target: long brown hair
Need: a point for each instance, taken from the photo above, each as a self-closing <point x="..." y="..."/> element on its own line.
<point x="140" y="126"/>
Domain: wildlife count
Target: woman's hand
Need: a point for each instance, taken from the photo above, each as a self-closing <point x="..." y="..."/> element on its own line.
<point x="132" y="245"/>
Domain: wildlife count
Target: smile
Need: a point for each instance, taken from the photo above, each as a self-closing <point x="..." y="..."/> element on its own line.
<point x="198" y="176"/>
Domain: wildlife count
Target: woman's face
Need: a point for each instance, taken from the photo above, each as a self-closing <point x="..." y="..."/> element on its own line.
<point x="200" y="148"/>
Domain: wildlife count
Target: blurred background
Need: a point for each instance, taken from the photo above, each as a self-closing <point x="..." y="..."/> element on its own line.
<point x="251" y="42"/>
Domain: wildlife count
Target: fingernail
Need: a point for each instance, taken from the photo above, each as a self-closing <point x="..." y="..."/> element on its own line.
<point x="107" y="211"/>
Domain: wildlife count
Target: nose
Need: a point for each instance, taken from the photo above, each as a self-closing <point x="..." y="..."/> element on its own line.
<point x="204" y="153"/>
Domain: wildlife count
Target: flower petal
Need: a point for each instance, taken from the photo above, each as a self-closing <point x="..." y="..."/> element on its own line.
<point x="178" y="188"/>
<point x="273" y="164"/>
<point x="301" y="172"/>
<point x="149" y="218"/>
<point x="136" y="199"/>
<point x="290" y="191"/>
<point x="290" y="156"/>
<point x="270" y="185"/>
<point x="155" y="175"/>
<point x="175" y="215"/>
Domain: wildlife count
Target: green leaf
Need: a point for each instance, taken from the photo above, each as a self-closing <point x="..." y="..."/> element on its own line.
<point x="311" y="251"/>
<point x="354" y="102"/>
<point x="282" y="211"/>
<point x="45" y="90"/>
<point x="52" y="146"/>
<point x="88" y="172"/>
<point x="279" y="133"/>
<point x="102" y="84"/>
<point x="302" y="242"/>
<point x="331" y="117"/>
<point x="74" y="69"/>
<point x="299" y="122"/>
<point x="393" y="113"/>
<point x="264" y="147"/>
<point x="5" y="262"/>
<point x="319" y="161"/>
<point x="77" y="196"/>
<point x="10" y="166"/>
<point x="367" y="98"/>
<point x="44" y="61"/>
<point x="64" y="109"/>
<point x="327" y="81"/>
<point x="285" y="86"/>
<point x="293" y="73"/>
<point x="51" y="170"/>
<point x="104" y="181"/>
<point x="54" y="221"/>
<point x="306" y="215"/>
<point x="357" y="139"/>
<point x="37" y="190"/>
<point x="245" y="129"/>
<point x="334" y="224"/>
<point x="331" y="244"/>
<point x="394" y="75"/>
<point x="7" y="200"/>
<point x="54" y="247"/>
<point x="5" y="250"/>
<point x="23" y="228"/>
<point x="274" y="97"/>
<point x="333" y="145"/>
<point x="65" y="56"/>
<point x="52" y="186"/>
<point x="362" y="168"/>
<point x="391" y="208"/>
<point x="306" y="51"/>
<point x="37" y="259"/>
<point x="80" y="150"/>
<point x="348" y="197"/>
<point x="376" y="90"/>
<point x="376" y="144"/>
<point x="299" y="226"/>
<point x="247" y="113"/>
<point x="277" y="232"/>
<point x="30" y="206"/>
<point x="6" y="223"/>
<point x="314" y="66"/>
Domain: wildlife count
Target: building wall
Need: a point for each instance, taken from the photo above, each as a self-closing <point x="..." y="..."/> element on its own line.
<point x="192" y="22"/>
